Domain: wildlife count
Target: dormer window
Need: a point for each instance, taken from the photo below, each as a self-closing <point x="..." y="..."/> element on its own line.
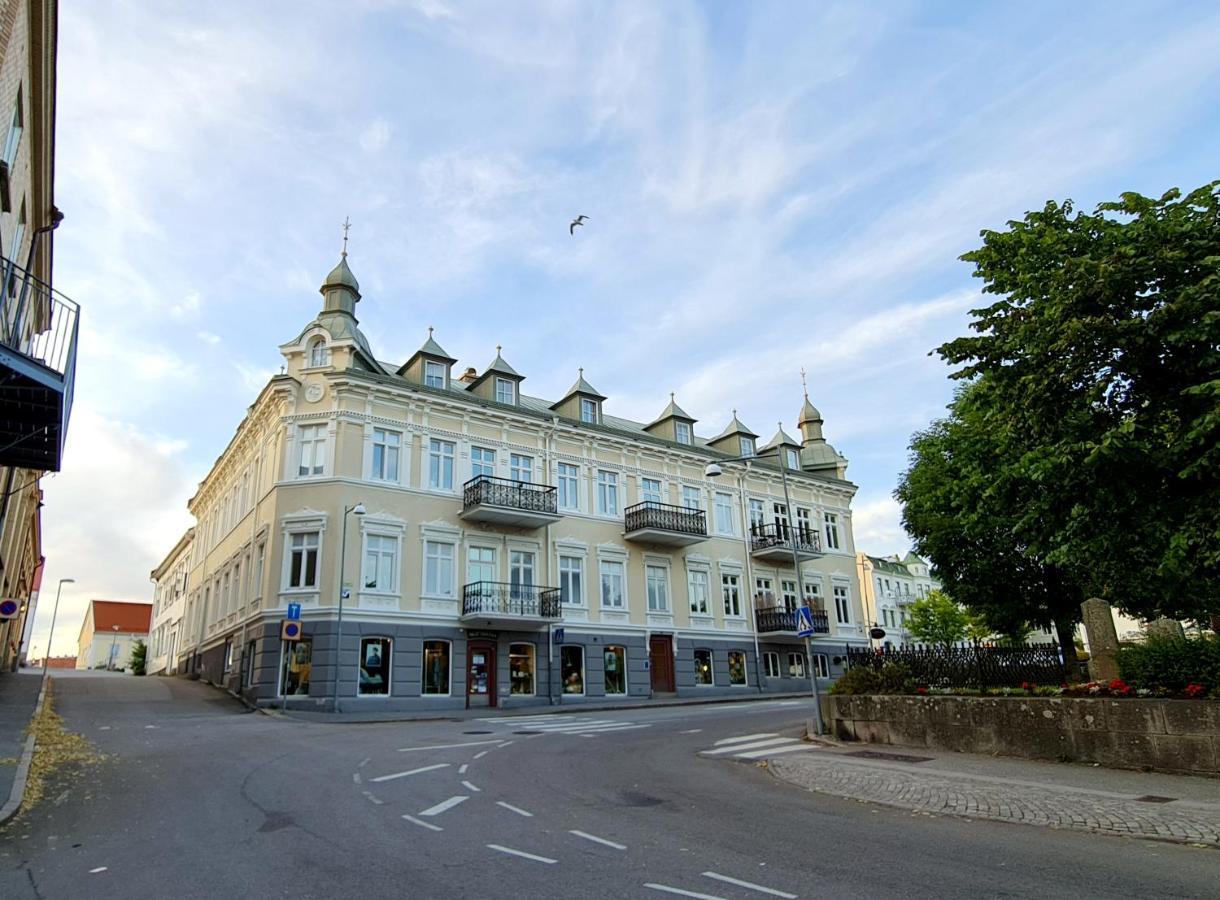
<point x="434" y="374"/>
<point x="794" y="461"/>
<point x="506" y="391"/>
<point x="747" y="446"/>
<point x="588" y="410"/>
<point x="317" y="353"/>
<point x="682" y="432"/>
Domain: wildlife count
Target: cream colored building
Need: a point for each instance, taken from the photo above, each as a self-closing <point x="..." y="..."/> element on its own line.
<point x="170" y="581"/>
<point x="889" y="586"/>
<point x="500" y="549"/>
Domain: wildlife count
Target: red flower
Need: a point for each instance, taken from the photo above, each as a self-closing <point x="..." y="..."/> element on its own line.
<point x="1194" y="690"/>
<point x="921" y="690"/>
<point x="1118" y="686"/>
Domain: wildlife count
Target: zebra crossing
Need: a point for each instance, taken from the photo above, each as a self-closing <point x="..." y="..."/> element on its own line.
<point x="757" y="746"/>
<point x="560" y="723"/>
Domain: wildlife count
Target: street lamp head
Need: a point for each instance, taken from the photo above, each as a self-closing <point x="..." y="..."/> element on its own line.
<point x="712" y="470"/>
<point x="358" y="509"/>
<point x="67" y="581"/>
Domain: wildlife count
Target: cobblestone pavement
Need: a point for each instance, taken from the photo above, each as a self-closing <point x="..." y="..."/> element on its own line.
<point x="973" y="796"/>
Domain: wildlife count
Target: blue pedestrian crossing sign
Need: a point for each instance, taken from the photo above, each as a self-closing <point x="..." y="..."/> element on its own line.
<point x="804" y="622"/>
<point x="294" y="611"/>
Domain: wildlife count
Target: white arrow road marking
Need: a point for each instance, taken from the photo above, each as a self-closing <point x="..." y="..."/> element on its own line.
<point x="522" y="854"/>
<point x="411" y="772"/>
<point x="444" y="805"/>
<point x="749" y="884"/>
<point x="518" y="810"/>
<point x="680" y="892"/>
<point x="422" y="823"/>
<point x="481" y="754"/>
<point x="470" y="787"/>
<point x="598" y="840"/>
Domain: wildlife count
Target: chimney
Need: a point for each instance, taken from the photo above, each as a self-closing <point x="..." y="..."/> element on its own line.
<point x="469" y="376"/>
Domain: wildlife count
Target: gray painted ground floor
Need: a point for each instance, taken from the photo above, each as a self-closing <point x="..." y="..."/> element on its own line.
<point x="422" y="666"/>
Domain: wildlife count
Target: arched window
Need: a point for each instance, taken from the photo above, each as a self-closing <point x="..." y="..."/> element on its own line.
<point x="317" y="352"/>
<point x="376" y="654"/>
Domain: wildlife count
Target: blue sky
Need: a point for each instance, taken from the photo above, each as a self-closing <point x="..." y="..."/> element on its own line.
<point x="770" y="186"/>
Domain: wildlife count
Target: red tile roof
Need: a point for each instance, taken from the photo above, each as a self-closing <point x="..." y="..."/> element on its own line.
<point x="132" y="618"/>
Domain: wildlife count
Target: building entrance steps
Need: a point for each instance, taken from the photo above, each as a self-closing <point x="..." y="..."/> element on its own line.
<point x="1180" y="808"/>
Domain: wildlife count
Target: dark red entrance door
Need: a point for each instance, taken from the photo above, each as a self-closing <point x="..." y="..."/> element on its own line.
<point x="480" y="674"/>
<point x="661" y="663"/>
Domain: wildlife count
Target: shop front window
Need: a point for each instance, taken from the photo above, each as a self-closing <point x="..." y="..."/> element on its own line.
<point x="436" y="667"/>
<point x="616" y="670"/>
<point x="521" y="669"/>
<point x="294" y="678"/>
<point x="703" y="667"/>
<point x="375" y="657"/>
<point x="737" y="667"/>
<point x="572" y="669"/>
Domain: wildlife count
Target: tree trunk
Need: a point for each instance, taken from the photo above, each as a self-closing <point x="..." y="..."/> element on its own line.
<point x="1067" y="644"/>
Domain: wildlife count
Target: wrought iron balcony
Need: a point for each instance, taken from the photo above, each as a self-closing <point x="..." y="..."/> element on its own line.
<point x="781" y="619"/>
<point x="38" y="332"/>
<point x="502" y="501"/>
<point x="659" y="523"/>
<point x="493" y="603"/>
<point x="775" y="542"/>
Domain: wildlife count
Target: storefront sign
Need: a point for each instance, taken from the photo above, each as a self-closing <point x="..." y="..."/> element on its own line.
<point x="474" y="635"/>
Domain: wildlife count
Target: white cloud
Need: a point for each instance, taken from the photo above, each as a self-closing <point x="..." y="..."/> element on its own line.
<point x="207" y="337"/>
<point x="376" y="136"/>
<point x="877" y="526"/>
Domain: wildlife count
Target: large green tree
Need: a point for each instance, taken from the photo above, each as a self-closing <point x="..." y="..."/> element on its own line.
<point x="936" y="619"/>
<point x="1090" y="426"/>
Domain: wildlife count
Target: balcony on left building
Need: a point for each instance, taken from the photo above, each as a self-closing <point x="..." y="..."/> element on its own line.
<point x="497" y="604"/>
<point x="38" y="333"/>
<point x="503" y="501"/>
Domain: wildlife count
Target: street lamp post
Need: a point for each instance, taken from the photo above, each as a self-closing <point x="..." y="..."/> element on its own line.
<point x="356" y="509"/>
<point x="46" y="657"/>
<point x="712" y="470"/>
<point x="113" y="642"/>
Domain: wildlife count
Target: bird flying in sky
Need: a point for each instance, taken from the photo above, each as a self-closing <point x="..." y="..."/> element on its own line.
<point x="579" y="220"/>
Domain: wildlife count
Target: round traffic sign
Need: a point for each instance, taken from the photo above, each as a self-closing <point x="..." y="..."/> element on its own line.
<point x="292" y="629"/>
<point x="8" y="608"/>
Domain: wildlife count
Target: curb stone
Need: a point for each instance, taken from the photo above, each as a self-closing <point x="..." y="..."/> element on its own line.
<point x="17" y="794"/>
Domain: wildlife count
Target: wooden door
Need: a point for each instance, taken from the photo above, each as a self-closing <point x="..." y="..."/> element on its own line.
<point x="661" y="663"/>
<point x="480" y="674"/>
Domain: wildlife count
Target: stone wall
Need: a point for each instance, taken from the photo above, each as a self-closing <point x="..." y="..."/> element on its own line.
<point x="1168" y="735"/>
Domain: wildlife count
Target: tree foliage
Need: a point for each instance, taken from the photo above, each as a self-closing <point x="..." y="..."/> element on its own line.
<point x="937" y="619"/>
<point x="139" y="658"/>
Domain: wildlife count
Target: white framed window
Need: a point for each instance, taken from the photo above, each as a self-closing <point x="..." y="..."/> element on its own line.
<point x="682" y="432"/>
<point x="813" y="594"/>
<point x="787" y="591"/>
<point x="746" y="446"/>
<point x="692" y="497"/>
<point x="763" y="593"/>
<point x="650" y="490"/>
<point x="15" y="127"/>
<point x="821" y="665"/>
<point x="771" y="664"/>
<point x="842" y="605"/>
<point x="757" y="516"/>
<point x="572" y="668"/>
<point x="568" y="478"/>
<point x="794" y="459"/>
<point x="796" y="665"/>
<point x="726" y="519"/>
<point x="804" y="524"/>
<point x="521" y="468"/>
<point x="482" y="462"/>
<point x="480" y="564"/>
<point x="436" y="668"/>
<point x="506" y="391"/>
<point x="434" y="374"/>
<point x="260" y="563"/>
<point x="737" y="667"/>
<point x="380" y="563"/>
<point x="730" y="587"/>
<point x="657" y="579"/>
<point x="588" y="410"/>
<point x="521" y="568"/>
<point x="387" y="445"/>
<point x="303" y="560"/>
<point x="704" y="675"/>
<point x="440" y="464"/>
<point x="311" y="450"/>
<point x="521" y="669"/>
<point x="611" y="573"/>
<point x="832" y="530"/>
<point x="318" y="355"/>
<point x="438" y="569"/>
<point x="571" y="580"/>
<point x="607" y="493"/>
<point x="697" y="590"/>
<point x="614" y="667"/>
<point x="376" y="658"/>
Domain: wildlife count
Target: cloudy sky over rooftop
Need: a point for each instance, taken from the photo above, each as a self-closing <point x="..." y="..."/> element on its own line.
<point x="770" y="186"/>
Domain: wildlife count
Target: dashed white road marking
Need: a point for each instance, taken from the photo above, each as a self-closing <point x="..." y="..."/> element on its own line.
<point x="600" y="729"/>
<point x="481" y="754"/>
<point x="98" y="869"/>
<point x="411" y="772"/>
<point x="470" y="787"/>
<point x="356" y="777"/>
<point x="150" y="726"/>
<point x="751" y="745"/>
<point x="746" y="737"/>
<point x="797" y="747"/>
<point x="518" y="810"/>
<point x="598" y="840"/>
<point x="692" y="731"/>
<point x="444" y="805"/>
<point x="462" y="768"/>
<point x="749" y="884"/>
<point x="522" y="854"/>
<point x="680" y="892"/>
<point x="422" y="823"/>
<point x="448" y="746"/>
<point x="506" y="743"/>
<point x="373" y="799"/>
<point x="364" y="762"/>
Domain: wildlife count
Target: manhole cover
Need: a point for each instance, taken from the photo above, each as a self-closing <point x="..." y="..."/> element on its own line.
<point x="1153" y="798"/>
<point x="897" y="757"/>
<point x="527" y="732"/>
<point x="478" y="732"/>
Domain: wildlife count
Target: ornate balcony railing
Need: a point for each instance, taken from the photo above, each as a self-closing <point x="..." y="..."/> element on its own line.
<point x="492" y="491"/>
<point x="651" y="514"/>
<point x="781" y="619"/>
<point x="779" y="535"/>
<point x="499" y="598"/>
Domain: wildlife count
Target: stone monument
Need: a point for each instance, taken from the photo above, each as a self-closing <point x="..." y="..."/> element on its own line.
<point x="1103" y="639"/>
<point x="1166" y="627"/>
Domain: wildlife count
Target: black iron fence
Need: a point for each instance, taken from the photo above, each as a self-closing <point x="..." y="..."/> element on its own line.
<point x="780" y="619"/>
<point x="499" y="598"/>
<point x="651" y="514"/>
<point x="493" y="491"/>
<point x="36" y="320"/>
<point x="763" y="537"/>
<point x="973" y="666"/>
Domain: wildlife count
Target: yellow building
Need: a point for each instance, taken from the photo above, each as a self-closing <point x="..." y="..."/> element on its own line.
<point x="493" y="548"/>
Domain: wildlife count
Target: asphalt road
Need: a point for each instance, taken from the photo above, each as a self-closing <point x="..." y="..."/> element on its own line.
<point x="200" y="798"/>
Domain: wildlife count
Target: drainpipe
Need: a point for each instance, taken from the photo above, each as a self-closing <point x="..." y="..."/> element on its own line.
<point x="548" y="455"/>
<point x="241" y="653"/>
<point x="745" y="539"/>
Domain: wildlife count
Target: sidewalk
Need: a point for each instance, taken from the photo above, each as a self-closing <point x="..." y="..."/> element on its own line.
<point x="1078" y="796"/>
<point x="367" y="718"/>
<point x="18" y="699"/>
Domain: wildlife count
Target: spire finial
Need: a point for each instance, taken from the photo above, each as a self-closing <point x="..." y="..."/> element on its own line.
<point x="582" y="371"/>
<point x="347" y="224"/>
<point x="734" y="413"/>
<point x="671" y="396"/>
<point x="803" y="384"/>
<point x="498" y="348"/>
<point x="429" y="331"/>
